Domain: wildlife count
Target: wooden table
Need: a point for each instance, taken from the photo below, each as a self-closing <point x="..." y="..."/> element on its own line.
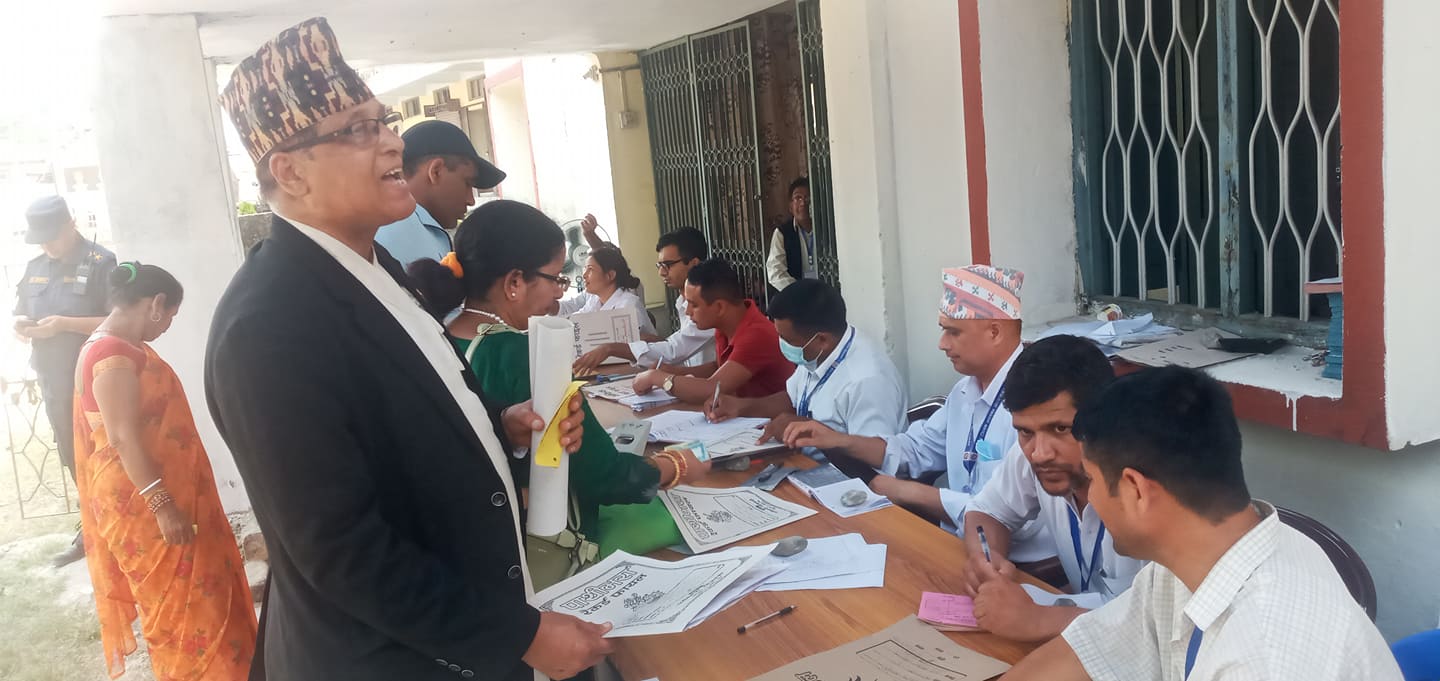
<point x="920" y="557"/>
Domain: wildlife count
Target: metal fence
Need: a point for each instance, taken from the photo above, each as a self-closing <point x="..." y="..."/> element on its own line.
<point x="700" y="97"/>
<point x="817" y="137"/>
<point x="1207" y="152"/>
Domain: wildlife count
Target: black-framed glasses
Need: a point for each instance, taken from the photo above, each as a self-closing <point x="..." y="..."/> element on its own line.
<point x="665" y="265"/>
<point x="361" y="133"/>
<point x="562" y="281"/>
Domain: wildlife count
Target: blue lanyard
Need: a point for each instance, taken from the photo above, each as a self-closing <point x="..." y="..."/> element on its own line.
<point x="1085" y="573"/>
<point x="975" y="438"/>
<point x="1193" y="650"/>
<point x="810" y="251"/>
<point x="804" y="408"/>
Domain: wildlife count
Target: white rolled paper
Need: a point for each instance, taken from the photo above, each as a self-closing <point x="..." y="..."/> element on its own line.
<point x="552" y="352"/>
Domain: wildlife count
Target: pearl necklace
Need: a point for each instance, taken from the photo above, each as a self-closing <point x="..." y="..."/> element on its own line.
<point x="491" y="315"/>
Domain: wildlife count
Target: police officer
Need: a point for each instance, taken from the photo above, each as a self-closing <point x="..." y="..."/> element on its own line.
<point x="61" y="299"/>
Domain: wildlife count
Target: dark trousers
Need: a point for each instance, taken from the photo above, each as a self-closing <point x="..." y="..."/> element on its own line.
<point x="59" y="397"/>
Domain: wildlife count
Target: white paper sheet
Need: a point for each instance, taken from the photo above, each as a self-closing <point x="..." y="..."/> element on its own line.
<point x="822" y="558"/>
<point x="710" y="518"/>
<point x="1089" y="601"/>
<point x="623" y="391"/>
<point x="551" y="354"/>
<point x="642" y="596"/>
<point x="763" y="570"/>
<point x="830" y="496"/>
<point x="870" y="572"/>
<point x="593" y="329"/>
<point x="688" y="426"/>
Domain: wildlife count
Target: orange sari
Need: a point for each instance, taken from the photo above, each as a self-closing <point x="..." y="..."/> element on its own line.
<point x="194" y="600"/>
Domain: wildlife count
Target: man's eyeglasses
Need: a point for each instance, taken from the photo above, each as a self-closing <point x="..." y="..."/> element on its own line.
<point x="665" y="265"/>
<point x="562" y="281"/>
<point x="361" y="133"/>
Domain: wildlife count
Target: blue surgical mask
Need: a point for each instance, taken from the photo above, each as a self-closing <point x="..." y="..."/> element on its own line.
<point x="796" y="353"/>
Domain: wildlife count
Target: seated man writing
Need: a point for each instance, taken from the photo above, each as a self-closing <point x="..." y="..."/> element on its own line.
<point x="1049" y="381"/>
<point x="844" y="380"/>
<point x="748" y="361"/>
<point x="965" y="441"/>
<point x="1232" y="593"/>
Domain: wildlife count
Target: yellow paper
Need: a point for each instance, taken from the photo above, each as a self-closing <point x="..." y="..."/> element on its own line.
<point x="550" y="451"/>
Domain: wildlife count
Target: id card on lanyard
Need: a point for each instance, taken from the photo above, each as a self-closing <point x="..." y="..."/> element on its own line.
<point x="1087" y="570"/>
<point x="971" y="457"/>
<point x="803" y="409"/>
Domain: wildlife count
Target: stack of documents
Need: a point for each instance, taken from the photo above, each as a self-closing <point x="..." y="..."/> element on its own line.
<point x="622" y="391"/>
<point x="843" y="562"/>
<point x="828" y="486"/>
<point x="643" y="596"/>
<point x="1112" y="337"/>
<point x="710" y="518"/>
<point x="735" y="437"/>
<point x="948" y="612"/>
<point x="593" y="329"/>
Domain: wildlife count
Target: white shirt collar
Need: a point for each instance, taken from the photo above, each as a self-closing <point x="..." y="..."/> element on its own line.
<point x="834" y="354"/>
<point x="333" y="246"/>
<point x="1229" y="574"/>
<point x="992" y="391"/>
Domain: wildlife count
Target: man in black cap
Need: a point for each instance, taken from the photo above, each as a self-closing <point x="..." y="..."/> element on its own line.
<point x="442" y="171"/>
<point x="60" y="301"/>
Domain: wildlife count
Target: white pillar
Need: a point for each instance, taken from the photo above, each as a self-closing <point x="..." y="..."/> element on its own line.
<point x="862" y="160"/>
<point x="162" y="155"/>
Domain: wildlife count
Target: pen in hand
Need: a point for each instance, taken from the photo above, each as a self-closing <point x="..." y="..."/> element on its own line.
<point x="714" y="402"/>
<point x="984" y="543"/>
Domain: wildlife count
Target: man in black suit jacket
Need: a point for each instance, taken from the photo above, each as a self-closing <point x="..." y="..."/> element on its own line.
<point x="382" y="482"/>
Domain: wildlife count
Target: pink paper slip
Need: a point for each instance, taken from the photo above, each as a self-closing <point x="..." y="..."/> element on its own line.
<point x="948" y="612"/>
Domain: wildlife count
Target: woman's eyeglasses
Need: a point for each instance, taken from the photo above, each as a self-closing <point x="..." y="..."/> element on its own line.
<point x="562" y="281"/>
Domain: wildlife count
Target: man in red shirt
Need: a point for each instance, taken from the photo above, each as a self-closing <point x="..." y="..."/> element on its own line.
<point x="748" y="361"/>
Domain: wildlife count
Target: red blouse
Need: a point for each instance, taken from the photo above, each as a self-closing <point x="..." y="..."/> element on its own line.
<point x="103" y="354"/>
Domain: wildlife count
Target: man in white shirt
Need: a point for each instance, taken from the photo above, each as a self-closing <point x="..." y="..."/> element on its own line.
<point x="1043" y="483"/>
<point x="676" y="252"/>
<point x="966" y="440"/>
<point x="793" y="248"/>
<point x="387" y="493"/>
<point x="1232" y="593"/>
<point x="843" y="380"/>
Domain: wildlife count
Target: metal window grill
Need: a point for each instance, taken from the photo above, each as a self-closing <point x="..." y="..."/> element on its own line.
<point x="700" y="98"/>
<point x="1207" y="152"/>
<point x="817" y="137"/>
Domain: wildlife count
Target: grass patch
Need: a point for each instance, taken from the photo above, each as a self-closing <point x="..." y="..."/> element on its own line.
<point x="46" y="639"/>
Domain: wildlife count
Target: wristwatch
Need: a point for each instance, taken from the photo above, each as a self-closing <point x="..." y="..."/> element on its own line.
<point x="668" y="384"/>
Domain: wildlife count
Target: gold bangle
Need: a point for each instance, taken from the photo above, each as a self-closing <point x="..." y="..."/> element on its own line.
<point x="674" y="463"/>
<point x="159" y="499"/>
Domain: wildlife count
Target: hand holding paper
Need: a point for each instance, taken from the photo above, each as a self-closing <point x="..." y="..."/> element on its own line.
<point x="520" y="422"/>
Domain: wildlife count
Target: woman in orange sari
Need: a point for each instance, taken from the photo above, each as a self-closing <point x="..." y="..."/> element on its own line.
<point x="156" y="536"/>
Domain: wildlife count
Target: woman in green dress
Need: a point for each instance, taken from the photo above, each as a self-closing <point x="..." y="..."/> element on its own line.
<point x="506" y="268"/>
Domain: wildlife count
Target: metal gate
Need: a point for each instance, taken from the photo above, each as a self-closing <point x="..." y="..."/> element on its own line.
<point x="817" y="137"/>
<point x="42" y="486"/>
<point x="700" y="97"/>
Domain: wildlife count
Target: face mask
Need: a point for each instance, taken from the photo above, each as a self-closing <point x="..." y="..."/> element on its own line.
<point x="796" y="354"/>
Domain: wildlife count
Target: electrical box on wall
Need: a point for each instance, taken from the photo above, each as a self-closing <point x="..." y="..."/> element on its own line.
<point x="628" y="119"/>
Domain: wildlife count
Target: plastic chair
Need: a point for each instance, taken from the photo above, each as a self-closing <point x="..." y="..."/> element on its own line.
<point x="1419" y="656"/>
<point x="1346" y="560"/>
<point x="924" y="408"/>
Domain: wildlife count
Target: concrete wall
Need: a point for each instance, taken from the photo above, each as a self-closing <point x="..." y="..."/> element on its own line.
<point x="1411" y="239"/>
<point x="1383" y="504"/>
<point x="168" y="189"/>
<point x="637" y="222"/>
<point x="1025" y="72"/>
<point x="510" y="125"/>
<point x="568" y="136"/>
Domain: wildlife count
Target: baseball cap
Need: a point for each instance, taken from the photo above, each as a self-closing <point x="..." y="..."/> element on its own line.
<point x="439" y="138"/>
<point x="47" y="217"/>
